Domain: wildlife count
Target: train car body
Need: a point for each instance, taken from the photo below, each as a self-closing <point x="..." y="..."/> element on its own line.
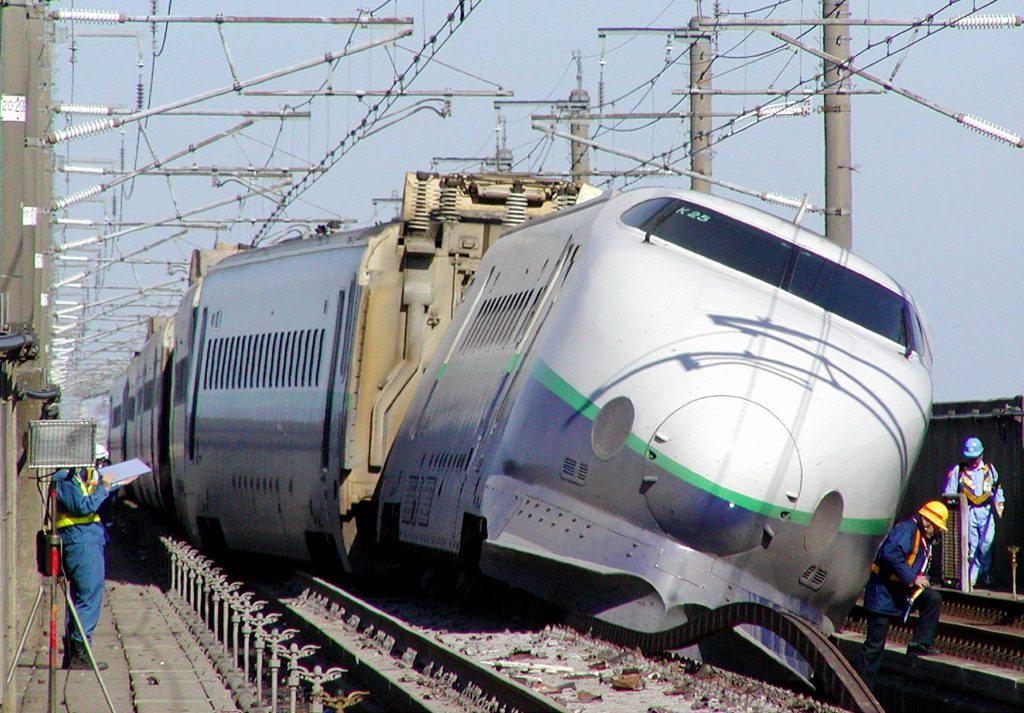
<point x="646" y="406"/>
<point x="291" y="366"/>
<point x="149" y="383"/>
<point x="117" y="420"/>
<point x="665" y="402"/>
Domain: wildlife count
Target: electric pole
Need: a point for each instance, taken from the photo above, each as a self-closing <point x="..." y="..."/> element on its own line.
<point x="838" y="163"/>
<point x="579" y="99"/>
<point x="700" y="112"/>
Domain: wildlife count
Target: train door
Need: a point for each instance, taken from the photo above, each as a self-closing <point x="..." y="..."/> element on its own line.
<point x="325" y="510"/>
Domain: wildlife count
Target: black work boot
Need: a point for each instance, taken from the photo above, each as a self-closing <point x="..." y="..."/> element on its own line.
<point x="80" y="658"/>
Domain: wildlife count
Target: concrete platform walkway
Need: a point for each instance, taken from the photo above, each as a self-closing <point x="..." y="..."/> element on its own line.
<point x="155" y="666"/>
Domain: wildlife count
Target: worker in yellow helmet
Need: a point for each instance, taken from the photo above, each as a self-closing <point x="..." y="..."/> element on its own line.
<point x="899" y="583"/>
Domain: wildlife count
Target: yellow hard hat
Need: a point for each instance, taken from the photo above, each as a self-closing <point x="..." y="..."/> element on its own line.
<point x="935" y="512"/>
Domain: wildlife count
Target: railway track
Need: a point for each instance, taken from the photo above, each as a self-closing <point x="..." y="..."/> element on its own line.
<point x="447" y="661"/>
<point x="980" y="628"/>
<point x="347" y="641"/>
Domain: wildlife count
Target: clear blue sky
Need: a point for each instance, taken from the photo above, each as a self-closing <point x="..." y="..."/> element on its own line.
<point x="935" y="205"/>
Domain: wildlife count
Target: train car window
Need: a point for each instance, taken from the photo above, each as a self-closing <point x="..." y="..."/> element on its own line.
<point x="742" y="247"/>
<point x="304" y="370"/>
<point x="207" y="381"/>
<point x="279" y="360"/>
<point x="243" y="377"/>
<point x="254" y="376"/>
<point x="268" y="367"/>
<point x="217" y="380"/>
<point x="307" y="368"/>
<point x="279" y="348"/>
<point x="293" y="375"/>
<point x="223" y="355"/>
<point x="254" y="364"/>
<point x="314" y="345"/>
<point x="222" y="348"/>
<point x="284" y="361"/>
<point x="307" y="342"/>
<point x="115" y="419"/>
<point x="261" y="360"/>
<point x="724" y="240"/>
<point x="848" y="294"/>
<point x="238" y="363"/>
<point x="253" y="356"/>
<point x="229" y="364"/>
<point x="206" y="367"/>
<point x="215" y="352"/>
<point x="224" y="362"/>
<point x="289" y="359"/>
<point x="268" y="359"/>
<point x="641" y="215"/>
<point x="319" y="356"/>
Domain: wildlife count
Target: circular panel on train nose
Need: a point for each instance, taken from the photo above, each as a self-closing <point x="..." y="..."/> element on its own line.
<point x="825" y="522"/>
<point x="612" y="427"/>
<point x="718" y="470"/>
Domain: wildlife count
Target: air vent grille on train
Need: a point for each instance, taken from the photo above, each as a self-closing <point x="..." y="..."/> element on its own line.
<point x="575" y="471"/>
<point x="813" y="577"/>
<point x="417" y="499"/>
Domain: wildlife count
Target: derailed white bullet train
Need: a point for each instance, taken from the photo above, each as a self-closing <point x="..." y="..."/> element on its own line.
<point x="651" y="404"/>
<point x="665" y="399"/>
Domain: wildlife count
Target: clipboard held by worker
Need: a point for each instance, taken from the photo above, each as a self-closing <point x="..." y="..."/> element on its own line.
<point x="121" y="472"/>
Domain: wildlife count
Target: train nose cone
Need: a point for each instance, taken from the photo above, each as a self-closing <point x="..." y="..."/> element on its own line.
<point x="718" y="471"/>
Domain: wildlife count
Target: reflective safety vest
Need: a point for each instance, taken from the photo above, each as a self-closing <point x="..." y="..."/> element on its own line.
<point x="875" y="569"/>
<point x="88" y="488"/>
<point x="967" y="485"/>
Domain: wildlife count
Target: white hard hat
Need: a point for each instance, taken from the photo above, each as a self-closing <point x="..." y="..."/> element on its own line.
<point x="101" y="452"/>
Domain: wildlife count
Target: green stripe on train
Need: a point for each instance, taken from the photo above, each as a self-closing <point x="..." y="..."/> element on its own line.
<point x="588" y="409"/>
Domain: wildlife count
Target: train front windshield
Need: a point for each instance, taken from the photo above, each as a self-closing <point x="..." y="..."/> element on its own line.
<point x="781" y="264"/>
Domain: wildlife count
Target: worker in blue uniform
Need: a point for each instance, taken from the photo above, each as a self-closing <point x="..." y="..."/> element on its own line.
<point x="80" y="494"/>
<point x="899" y="583"/>
<point x="979" y="482"/>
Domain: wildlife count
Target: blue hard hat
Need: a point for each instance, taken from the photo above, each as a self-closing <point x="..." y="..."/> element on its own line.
<point x="973" y="448"/>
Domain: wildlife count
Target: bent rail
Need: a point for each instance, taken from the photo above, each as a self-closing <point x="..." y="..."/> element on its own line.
<point x="835" y="675"/>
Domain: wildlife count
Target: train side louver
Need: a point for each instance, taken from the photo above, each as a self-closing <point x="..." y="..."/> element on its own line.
<point x="575" y="471"/>
<point x="813" y="577"/>
<point x="417" y="498"/>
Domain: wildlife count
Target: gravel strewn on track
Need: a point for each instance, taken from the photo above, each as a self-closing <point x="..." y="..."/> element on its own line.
<point x="582" y="673"/>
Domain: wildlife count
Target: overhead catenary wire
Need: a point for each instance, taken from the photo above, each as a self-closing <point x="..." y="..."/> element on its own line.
<point x="420" y="61"/>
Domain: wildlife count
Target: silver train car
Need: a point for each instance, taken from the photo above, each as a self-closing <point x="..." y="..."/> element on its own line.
<point x="664" y="401"/>
<point x="648" y="405"/>
<point x="277" y="388"/>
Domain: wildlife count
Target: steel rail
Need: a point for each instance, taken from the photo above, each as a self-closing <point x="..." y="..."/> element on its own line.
<point x="835" y="675"/>
<point x="987" y="640"/>
<point x="983" y="608"/>
<point x="490" y="689"/>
